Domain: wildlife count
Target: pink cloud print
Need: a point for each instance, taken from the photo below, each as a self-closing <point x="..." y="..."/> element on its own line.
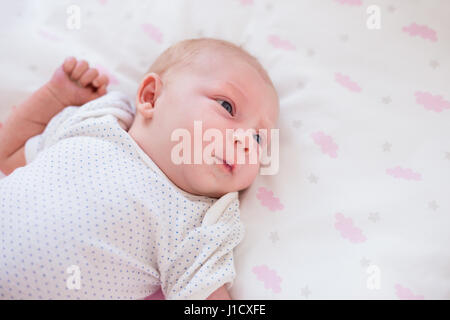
<point x="347" y="229"/>
<point x="406" y="294"/>
<point x="350" y="2"/>
<point x="49" y="35"/>
<point x="422" y="31"/>
<point x="430" y="102"/>
<point x="269" y="277"/>
<point x="345" y="81"/>
<point x="326" y="143"/>
<point x="153" y="32"/>
<point x="268" y="200"/>
<point x="403" y="173"/>
<point x="276" y="42"/>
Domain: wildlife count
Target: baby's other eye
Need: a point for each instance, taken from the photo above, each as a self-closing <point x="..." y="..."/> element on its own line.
<point x="257" y="138"/>
<point x="226" y="105"/>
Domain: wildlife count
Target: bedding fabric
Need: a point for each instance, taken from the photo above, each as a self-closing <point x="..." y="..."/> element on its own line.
<point x="359" y="208"/>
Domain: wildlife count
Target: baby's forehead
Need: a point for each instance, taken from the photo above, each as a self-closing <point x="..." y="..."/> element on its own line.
<point x="213" y="57"/>
<point x="225" y="69"/>
<point x="230" y="66"/>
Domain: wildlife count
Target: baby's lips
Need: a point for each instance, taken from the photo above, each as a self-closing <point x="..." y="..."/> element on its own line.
<point x="233" y="166"/>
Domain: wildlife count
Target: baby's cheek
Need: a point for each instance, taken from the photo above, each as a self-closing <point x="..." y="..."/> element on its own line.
<point x="249" y="174"/>
<point x="253" y="157"/>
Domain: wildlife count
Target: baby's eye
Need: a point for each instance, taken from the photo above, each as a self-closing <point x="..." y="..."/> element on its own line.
<point x="226" y="105"/>
<point x="257" y="138"/>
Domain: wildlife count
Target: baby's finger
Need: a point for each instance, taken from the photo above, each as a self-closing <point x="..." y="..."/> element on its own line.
<point x="81" y="67"/>
<point x="102" y="80"/>
<point x="69" y="64"/>
<point x="102" y="90"/>
<point x="88" y="77"/>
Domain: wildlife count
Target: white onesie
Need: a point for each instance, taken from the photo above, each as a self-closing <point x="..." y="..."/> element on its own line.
<point x="91" y="216"/>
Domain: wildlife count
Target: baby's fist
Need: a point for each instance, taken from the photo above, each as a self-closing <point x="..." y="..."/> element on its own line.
<point x="75" y="83"/>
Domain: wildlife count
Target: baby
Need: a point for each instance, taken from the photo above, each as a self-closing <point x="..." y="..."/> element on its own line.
<point x="98" y="208"/>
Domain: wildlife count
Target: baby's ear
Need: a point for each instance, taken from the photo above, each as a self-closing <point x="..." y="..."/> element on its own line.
<point x="148" y="93"/>
<point x="145" y="109"/>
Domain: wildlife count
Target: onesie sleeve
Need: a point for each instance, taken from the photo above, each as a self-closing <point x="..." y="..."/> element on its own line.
<point x="72" y="121"/>
<point x="204" y="260"/>
<point x="37" y="143"/>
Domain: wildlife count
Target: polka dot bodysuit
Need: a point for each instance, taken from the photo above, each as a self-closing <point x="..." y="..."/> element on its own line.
<point x="91" y="216"/>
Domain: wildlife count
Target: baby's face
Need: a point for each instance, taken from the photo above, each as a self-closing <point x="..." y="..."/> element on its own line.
<point x="223" y="92"/>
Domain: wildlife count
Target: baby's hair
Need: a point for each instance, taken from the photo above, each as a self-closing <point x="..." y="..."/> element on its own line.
<point x="183" y="52"/>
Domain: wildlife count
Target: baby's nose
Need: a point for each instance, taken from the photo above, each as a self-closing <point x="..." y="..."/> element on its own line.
<point x="240" y="138"/>
<point x="243" y="147"/>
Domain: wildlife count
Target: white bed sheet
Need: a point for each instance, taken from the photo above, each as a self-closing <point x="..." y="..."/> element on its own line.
<point x="360" y="207"/>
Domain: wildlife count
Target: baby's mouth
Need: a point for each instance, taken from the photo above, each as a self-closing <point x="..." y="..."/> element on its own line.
<point x="228" y="166"/>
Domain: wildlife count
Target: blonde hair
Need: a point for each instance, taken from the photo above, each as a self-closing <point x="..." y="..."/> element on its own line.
<point x="182" y="54"/>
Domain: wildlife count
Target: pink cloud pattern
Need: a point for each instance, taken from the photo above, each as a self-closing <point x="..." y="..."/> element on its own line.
<point x="268" y="200"/>
<point x="269" y="277"/>
<point x="246" y="2"/>
<point x="430" y="102"/>
<point x="326" y="143"/>
<point x="153" y="32"/>
<point x="345" y="81"/>
<point x="48" y="35"/>
<point x="422" y="31"/>
<point x="406" y="294"/>
<point x="276" y="42"/>
<point x="350" y="2"/>
<point x="402" y="173"/>
<point x="347" y="229"/>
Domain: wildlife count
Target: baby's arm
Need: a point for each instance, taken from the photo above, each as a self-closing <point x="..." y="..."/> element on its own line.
<point x="21" y="125"/>
<point x="72" y="84"/>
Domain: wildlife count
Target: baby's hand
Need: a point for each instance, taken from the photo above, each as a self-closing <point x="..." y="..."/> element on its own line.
<point x="75" y="84"/>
